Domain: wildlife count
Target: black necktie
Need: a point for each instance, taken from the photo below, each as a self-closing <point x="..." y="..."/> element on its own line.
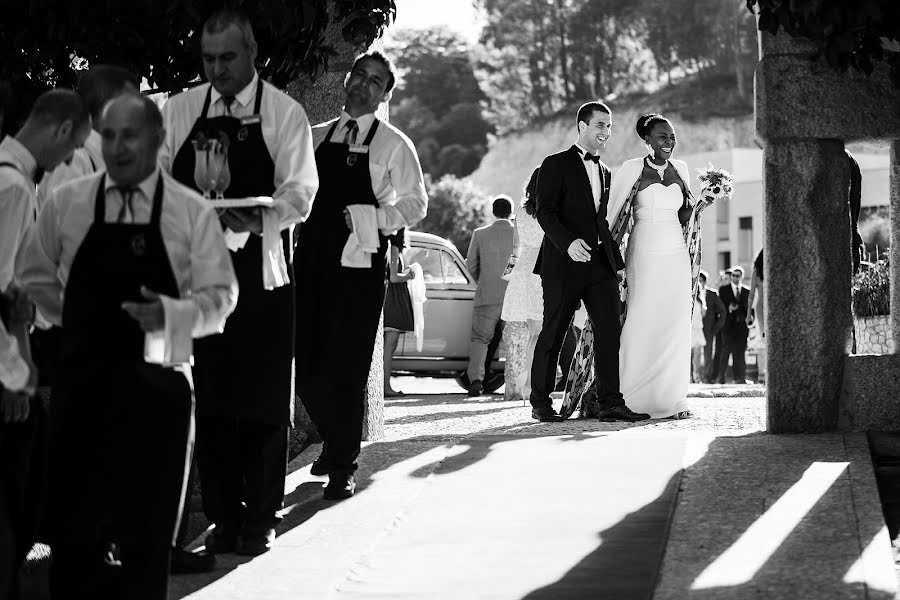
<point x="127" y="193"/>
<point x="228" y="101"/>
<point x="588" y="156"/>
<point x="352" y="128"/>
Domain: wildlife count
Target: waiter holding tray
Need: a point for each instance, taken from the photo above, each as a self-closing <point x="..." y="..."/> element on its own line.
<point x="243" y="377"/>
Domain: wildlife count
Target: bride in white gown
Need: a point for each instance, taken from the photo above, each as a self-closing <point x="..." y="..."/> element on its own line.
<point x="648" y="202"/>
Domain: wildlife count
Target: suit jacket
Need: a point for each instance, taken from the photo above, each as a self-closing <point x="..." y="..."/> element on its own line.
<point x="714" y="320"/>
<point x="735" y="322"/>
<point x="565" y="211"/>
<point x="488" y="254"/>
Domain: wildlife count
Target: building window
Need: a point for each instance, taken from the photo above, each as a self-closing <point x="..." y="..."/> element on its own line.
<point x="724" y="260"/>
<point x="745" y="240"/>
<point x="722" y="216"/>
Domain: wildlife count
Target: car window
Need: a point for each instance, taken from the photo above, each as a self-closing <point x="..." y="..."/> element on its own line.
<point x="430" y="260"/>
<point x="452" y="273"/>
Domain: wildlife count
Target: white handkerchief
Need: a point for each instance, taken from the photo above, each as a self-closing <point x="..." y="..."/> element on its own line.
<point x="362" y="242"/>
<point x="274" y="265"/>
<point x="174" y="344"/>
<point x="236" y="241"/>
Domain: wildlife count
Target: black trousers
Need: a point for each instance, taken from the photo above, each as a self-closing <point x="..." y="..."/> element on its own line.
<point x="710" y="372"/>
<point x="601" y="299"/>
<point x="23" y="464"/>
<point x="79" y="571"/>
<point x="332" y="385"/>
<point x="242" y="464"/>
<point x="718" y="366"/>
<point x="735" y="347"/>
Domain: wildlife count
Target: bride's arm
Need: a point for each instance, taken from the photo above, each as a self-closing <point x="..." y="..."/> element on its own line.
<point x="622" y="182"/>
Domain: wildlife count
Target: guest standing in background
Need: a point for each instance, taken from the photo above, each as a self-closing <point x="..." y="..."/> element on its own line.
<point x="713" y="322"/>
<point x="698" y="339"/>
<point x="488" y="254"/>
<point x="523" y="300"/>
<point x="757" y="313"/>
<point x="398" y="309"/>
<point x="734" y="296"/>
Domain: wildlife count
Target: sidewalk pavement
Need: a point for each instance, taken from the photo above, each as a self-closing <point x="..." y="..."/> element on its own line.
<point x="468" y="498"/>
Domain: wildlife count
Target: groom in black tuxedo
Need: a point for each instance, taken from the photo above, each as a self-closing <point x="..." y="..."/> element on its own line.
<point x="579" y="261"/>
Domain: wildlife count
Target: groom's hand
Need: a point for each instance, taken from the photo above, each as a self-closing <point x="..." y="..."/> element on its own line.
<point x="579" y="251"/>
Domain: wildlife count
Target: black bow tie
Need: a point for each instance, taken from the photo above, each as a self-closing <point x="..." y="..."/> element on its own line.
<point x="588" y="156"/>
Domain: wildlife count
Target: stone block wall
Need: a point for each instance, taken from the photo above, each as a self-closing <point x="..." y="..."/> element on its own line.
<point x="874" y="335"/>
<point x="869" y="399"/>
<point x="515" y="341"/>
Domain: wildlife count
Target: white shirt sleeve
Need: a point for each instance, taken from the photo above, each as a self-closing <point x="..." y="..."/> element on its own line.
<point x="296" y="176"/>
<point x="406" y="178"/>
<point x="214" y="287"/>
<point x="15" y="217"/>
<point x="38" y="262"/>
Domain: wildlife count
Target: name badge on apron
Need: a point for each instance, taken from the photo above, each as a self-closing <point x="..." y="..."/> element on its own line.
<point x="245" y="121"/>
<point x="354" y="150"/>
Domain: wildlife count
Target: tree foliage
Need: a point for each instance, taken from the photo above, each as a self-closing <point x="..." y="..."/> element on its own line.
<point x="539" y="56"/>
<point x="438" y="102"/>
<point x="848" y="34"/>
<point x="455" y="209"/>
<point x="47" y="41"/>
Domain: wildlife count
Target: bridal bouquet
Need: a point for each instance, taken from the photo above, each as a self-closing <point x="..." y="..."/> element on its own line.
<point x="715" y="184"/>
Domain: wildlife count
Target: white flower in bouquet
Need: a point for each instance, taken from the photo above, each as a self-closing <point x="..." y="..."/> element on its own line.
<point x="715" y="184"/>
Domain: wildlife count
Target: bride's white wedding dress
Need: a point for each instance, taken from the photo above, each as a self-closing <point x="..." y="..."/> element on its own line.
<point x="655" y="347"/>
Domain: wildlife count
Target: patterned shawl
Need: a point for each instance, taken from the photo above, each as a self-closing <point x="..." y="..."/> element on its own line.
<point x="621" y="204"/>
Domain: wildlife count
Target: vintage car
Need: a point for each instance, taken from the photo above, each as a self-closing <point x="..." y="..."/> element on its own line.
<point x="450" y="290"/>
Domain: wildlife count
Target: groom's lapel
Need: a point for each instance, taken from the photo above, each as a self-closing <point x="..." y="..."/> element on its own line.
<point x="577" y="161"/>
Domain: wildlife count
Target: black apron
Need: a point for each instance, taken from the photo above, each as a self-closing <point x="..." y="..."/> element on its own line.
<point x="245" y="372"/>
<point x="122" y="428"/>
<point x="344" y="179"/>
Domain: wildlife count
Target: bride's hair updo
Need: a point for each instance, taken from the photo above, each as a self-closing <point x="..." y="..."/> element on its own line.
<point x="647" y="122"/>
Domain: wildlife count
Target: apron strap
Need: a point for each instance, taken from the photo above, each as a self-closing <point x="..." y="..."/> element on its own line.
<point x="331" y="131"/>
<point x="371" y="134"/>
<point x="157" y="202"/>
<point x="206" y="102"/>
<point x="100" y="201"/>
<point x="259" y="90"/>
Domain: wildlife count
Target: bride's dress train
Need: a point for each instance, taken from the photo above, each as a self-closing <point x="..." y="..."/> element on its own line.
<point x="655" y="347"/>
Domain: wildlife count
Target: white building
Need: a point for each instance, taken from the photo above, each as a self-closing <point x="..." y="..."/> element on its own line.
<point x="733" y="230"/>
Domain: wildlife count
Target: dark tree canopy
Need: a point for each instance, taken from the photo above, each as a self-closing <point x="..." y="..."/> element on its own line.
<point x="848" y="34"/>
<point x="46" y="41"/>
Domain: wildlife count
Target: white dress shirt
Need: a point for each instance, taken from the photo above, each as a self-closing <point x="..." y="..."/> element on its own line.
<point x="285" y="130"/>
<point x="394" y="168"/>
<point x="17" y="209"/>
<point x="593" y="173"/>
<point x="190" y="231"/>
<point x="87" y="159"/>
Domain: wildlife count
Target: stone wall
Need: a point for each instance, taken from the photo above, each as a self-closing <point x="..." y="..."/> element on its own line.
<point x="874" y="335"/>
<point x="869" y="394"/>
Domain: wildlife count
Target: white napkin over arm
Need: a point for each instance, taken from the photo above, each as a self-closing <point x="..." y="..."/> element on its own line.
<point x="274" y="267"/>
<point x="363" y="240"/>
<point x="417" y="290"/>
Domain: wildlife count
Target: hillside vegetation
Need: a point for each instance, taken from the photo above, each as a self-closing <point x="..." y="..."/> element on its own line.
<point x="701" y="126"/>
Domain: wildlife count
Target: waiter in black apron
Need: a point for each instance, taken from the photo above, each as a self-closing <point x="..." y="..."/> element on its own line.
<point x="130" y="252"/>
<point x="362" y="162"/>
<point x="243" y="378"/>
<point x="57" y="124"/>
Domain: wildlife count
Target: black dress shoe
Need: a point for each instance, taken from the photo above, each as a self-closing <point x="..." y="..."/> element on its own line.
<point x="320" y="465"/>
<point x="254" y="543"/>
<point x="184" y="562"/>
<point x="546" y="415"/>
<point x="475" y="388"/>
<point x="341" y="485"/>
<point x="222" y="539"/>
<point x="621" y="413"/>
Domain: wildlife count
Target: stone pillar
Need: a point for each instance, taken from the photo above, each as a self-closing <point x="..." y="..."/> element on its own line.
<point x="895" y="243"/>
<point x="808" y="271"/>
